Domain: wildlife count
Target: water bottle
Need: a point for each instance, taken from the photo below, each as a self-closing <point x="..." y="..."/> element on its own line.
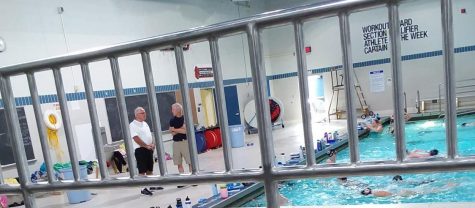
<point x="320" y="145"/>
<point x="282" y="158"/>
<point x="335" y="135"/>
<point x="301" y="152"/>
<point x="178" y="203"/>
<point x="223" y="192"/>
<point x="187" y="202"/>
<point x="214" y="189"/>
<point x="330" y="138"/>
<point x="325" y="136"/>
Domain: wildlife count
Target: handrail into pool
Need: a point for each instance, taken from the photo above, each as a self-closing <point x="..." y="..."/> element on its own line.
<point x="253" y="27"/>
<point x="469" y="85"/>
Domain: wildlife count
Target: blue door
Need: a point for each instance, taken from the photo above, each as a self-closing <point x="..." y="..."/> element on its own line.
<point x="320" y="87"/>
<point x="232" y="105"/>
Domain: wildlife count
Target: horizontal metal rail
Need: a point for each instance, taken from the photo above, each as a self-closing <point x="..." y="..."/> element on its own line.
<point x="376" y="168"/>
<point x="269" y="174"/>
<point x="283" y="173"/>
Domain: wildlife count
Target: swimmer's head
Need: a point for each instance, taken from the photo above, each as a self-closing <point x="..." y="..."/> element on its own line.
<point x="343" y="179"/>
<point x="366" y="191"/>
<point x="464" y="124"/>
<point x="397" y="178"/>
<point x="433" y="152"/>
<point x="331" y="152"/>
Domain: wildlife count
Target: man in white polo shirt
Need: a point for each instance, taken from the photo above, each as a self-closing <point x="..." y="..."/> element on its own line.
<point x="143" y="144"/>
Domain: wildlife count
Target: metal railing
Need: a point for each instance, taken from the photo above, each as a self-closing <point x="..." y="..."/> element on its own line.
<point x="465" y="87"/>
<point x="269" y="174"/>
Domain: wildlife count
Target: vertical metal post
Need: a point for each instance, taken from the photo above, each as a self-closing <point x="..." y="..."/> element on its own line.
<point x="440" y="100"/>
<point x="262" y="113"/>
<point x="96" y="129"/>
<point x="68" y="129"/>
<point x="41" y="126"/>
<point x="221" y="103"/>
<point x="349" y="91"/>
<point x="450" y="96"/>
<point x="185" y="93"/>
<point x="153" y="105"/>
<point x="16" y="139"/>
<point x="1" y="175"/>
<point x="398" y="93"/>
<point x="304" y="94"/>
<point x="124" y="120"/>
<point x="418" y="102"/>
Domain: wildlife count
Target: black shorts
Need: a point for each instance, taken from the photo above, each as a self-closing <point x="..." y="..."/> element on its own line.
<point x="144" y="159"/>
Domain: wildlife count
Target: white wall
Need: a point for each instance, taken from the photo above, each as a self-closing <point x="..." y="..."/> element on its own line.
<point x="89" y="24"/>
<point x="324" y="38"/>
<point x="33" y="30"/>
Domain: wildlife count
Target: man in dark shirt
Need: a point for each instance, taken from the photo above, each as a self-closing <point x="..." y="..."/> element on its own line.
<point x="180" y="145"/>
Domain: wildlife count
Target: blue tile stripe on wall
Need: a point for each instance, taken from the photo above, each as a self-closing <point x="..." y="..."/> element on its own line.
<point x="52" y="98"/>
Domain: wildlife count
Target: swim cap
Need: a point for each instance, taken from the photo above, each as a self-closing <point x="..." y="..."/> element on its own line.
<point x="397" y="178"/>
<point x="343" y="178"/>
<point x="433" y="152"/>
<point x="366" y="191"/>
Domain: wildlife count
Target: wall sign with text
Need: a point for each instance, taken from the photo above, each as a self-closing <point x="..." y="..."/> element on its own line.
<point x="203" y="72"/>
<point x="376" y="36"/>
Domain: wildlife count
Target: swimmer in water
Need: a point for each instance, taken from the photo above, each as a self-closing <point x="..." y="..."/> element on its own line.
<point x="351" y="183"/>
<point x="375" y="126"/>
<point x="468" y="124"/>
<point x="398" y="179"/>
<point x="422" y="153"/>
<point x="406" y="192"/>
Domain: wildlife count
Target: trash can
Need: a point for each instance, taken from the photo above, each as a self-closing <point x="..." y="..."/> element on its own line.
<point x="79" y="196"/>
<point x="236" y="132"/>
<point x="200" y="141"/>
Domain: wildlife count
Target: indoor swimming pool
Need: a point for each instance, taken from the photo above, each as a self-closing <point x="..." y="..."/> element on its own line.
<point x="415" y="188"/>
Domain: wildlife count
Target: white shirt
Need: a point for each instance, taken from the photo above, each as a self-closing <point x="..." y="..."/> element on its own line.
<point x="142" y="130"/>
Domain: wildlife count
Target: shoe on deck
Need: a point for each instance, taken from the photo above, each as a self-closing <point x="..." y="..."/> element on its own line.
<point x="145" y="191"/>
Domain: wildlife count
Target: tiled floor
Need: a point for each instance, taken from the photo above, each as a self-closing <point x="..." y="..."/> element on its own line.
<point x="286" y="140"/>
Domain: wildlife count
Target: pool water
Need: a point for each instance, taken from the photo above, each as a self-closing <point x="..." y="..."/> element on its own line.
<point x="424" y="135"/>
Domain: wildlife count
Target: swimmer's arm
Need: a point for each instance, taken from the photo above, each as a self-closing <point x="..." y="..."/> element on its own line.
<point x="444" y="188"/>
<point x="407" y="193"/>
